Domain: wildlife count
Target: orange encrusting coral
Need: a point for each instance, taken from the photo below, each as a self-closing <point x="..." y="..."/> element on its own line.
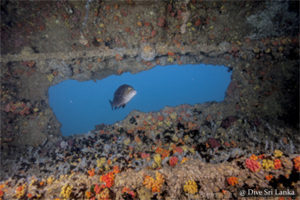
<point x="152" y="184"/>
<point x="253" y="157"/>
<point x="297" y="163"/>
<point x="1" y="191"/>
<point x="42" y="183"/>
<point x="29" y="195"/>
<point x="1" y="194"/>
<point x="277" y="164"/>
<point x="108" y="179"/>
<point x="232" y="180"/>
<point x="91" y="172"/>
<point x="269" y="177"/>
<point x="116" y="169"/>
<point x="171" y="53"/>
<point x="88" y="194"/>
<point x="98" y="188"/>
<point x="163" y="152"/>
<point x="20" y="191"/>
<point x="184" y="159"/>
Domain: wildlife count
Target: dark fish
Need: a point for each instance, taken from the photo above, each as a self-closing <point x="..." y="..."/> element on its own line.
<point x="122" y="96"/>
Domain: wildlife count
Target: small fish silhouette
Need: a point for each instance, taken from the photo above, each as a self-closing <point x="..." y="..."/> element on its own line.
<point x="122" y="96"/>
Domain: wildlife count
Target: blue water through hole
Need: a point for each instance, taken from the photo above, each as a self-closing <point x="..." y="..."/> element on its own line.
<point x="79" y="106"/>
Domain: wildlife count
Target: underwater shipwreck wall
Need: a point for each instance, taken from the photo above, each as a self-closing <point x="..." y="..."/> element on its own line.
<point x="92" y="40"/>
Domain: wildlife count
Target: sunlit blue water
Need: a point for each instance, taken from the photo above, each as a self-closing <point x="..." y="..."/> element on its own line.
<point x="79" y="106"/>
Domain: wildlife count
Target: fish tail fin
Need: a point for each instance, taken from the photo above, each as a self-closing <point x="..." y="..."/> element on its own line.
<point x="111" y="103"/>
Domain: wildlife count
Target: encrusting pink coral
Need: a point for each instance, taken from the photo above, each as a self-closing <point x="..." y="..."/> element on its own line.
<point x="173" y="161"/>
<point x="252" y="165"/>
<point x="128" y="191"/>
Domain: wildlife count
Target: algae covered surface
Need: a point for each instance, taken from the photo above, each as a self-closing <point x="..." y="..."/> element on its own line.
<point x="202" y="151"/>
